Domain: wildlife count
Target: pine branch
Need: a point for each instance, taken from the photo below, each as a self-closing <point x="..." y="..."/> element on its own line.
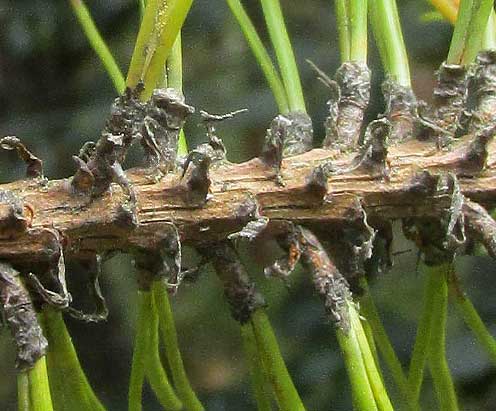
<point x="101" y="224"/>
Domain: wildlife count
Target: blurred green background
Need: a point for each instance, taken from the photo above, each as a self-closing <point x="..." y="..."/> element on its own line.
<point x="55" y="95"/>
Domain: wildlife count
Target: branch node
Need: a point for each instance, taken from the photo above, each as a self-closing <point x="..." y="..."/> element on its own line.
<point x="164" y="263"/>
<point x="374" y="151"/>
<point x="474" y="157"/>
<point x="196" y="177"/>
<point x="316" y="183"/>
<point x="423" y="183"/>
<point x="250" y="209"/>
<point x="439" y="238"/>
<point x="14" y="217"/>
<point x="83" y="180"/>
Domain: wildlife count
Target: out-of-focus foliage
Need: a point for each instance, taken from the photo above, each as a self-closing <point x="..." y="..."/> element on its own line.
<point x="55" y="95"/>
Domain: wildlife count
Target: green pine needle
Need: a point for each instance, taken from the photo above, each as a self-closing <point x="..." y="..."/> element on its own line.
<point x="169" y="338"/>
<point x="98" y="44"/>
<point x="284" y="52"/>
<point x="440" y="372"/>
<point x="363" y="396"/>
<point x="352" y="29"/>
<point x="287" y="397"/>
<point x="138" y="365"/>
<point x="39" y="388"/>
<point x="69" y="386"/>
<point x="259" y="380"/>
<point x="472" y="318"/>
<point x="388" y="36"/>
<point x="470" y="29"/>
<point x="261" y="55"/>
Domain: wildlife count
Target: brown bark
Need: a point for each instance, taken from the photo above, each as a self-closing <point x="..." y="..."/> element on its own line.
<point x="101" y="224"/>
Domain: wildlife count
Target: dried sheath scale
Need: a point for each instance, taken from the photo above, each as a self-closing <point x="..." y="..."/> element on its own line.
<point x="349" y="100"/>
<point x="328" y="281"/>
<point x="289" y="134"/>
<point x="450" y="95"/>
<point x="166" y="113"/>
<point x="440" y="238"/>
<point x="480" y="226"/>
<point x="401" y="110"/>
<point x="105" y="163"/>
<point x="156" y="124"/>
<point x="298" y="135"/>
<point x="241" y="293"/>
<point x="20" y="316"/>
<point x="482" y="92"/>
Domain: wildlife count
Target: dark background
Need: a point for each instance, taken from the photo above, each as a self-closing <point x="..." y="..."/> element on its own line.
<point x="54" y="94"/>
